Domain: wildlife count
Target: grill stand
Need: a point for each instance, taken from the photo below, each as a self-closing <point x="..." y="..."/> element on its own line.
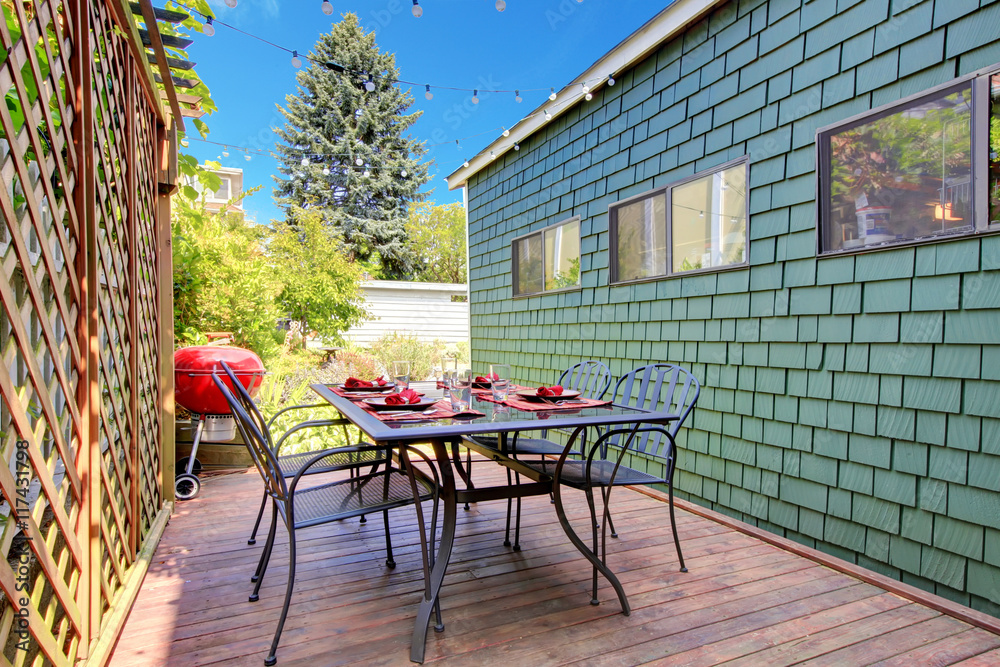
<point x="187" y="485"/>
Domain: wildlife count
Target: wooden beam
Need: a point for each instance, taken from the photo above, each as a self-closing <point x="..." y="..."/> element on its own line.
<point x="125" y="21"/>
<point x="161" y="60"/>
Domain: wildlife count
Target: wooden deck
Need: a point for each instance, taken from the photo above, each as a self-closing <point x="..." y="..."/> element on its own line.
<point x="743" y="602"/>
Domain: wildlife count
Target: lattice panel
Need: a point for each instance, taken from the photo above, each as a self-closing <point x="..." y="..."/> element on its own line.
<point x="46" y="417"/>
<point x="41" y="428"/>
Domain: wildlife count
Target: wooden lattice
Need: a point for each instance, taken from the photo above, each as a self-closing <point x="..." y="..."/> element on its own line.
<point x="80" y="398"/>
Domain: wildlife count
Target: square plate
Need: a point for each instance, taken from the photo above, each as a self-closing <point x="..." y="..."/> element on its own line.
<point x="532" y="395"/>
<point x="385" y="387"/>
<point x="378" y="403"/>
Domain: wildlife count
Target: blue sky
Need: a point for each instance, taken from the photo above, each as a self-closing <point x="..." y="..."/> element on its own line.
<point x="533" y="44"/>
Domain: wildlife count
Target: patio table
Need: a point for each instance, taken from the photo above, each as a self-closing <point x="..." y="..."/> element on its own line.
<point x="499" y="421"/>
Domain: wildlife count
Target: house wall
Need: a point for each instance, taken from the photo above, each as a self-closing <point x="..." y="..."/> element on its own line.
<point x="423" y="309"/>
<point x="849" y="403"/>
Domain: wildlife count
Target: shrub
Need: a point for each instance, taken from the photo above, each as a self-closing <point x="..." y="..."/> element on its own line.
<point x="395" y="346"/>
<point x="353" y="360"/>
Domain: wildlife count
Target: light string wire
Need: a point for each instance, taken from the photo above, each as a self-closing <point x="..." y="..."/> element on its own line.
<point x="555" y="106"/>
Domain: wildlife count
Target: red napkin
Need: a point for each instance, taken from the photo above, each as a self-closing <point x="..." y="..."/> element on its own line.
<point x="354" y="383"/>
<point x="487" y="378"/>
<point x="557" y="390"/>
<point x="381" y="381"/>
<point x="407" y="396"/>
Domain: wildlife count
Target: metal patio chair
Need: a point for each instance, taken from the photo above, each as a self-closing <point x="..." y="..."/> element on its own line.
<point x="290" y="464"/>
<point x="378" y="479"/>
<point x="608" y="461"/>
<point x="592" y="379"/>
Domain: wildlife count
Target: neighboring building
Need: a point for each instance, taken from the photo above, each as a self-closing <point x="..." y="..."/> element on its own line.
<point x="231" y="185"/>
<point x="848" y="343"/>
<point x="430" y="311"/>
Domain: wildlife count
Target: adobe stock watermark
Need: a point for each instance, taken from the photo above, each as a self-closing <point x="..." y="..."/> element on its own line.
<point x="22" y="572"/>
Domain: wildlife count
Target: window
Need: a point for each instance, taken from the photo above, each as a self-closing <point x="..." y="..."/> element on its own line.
<point x="547" y="260"/>
<point x="698" y="224"/>
<point x="222" y="194"/>
<point x="994" y="157"/>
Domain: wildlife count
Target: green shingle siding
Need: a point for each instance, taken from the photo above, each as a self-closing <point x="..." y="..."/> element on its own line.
<point x="848" y="401"/>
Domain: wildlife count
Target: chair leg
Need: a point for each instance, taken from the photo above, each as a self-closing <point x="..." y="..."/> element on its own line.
<point x="673" y="525"/>
<point x="517" y="519"/>
<point x="510" y="501"/>
<point x="260" y="514"/>
<point x="389" y="561"/>
<point x="611" y="524"/>
<point x="593" y="528"/>
<point x="468" y="467"/>
<point x="265" y="556"/>
<point x="271" y="658"/>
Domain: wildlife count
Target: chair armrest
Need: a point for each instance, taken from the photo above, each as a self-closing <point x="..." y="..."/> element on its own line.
<point x="364" y="447"/>
<point x="282" y="411"/>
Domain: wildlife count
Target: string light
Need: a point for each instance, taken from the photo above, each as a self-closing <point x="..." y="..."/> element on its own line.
<point x="492" y="156"/>
<point x="225" y="151"/>
<point x="506" y="132"/>
<point x="184" y="143"/>
<point x="403" y="173"/>
<point x="466" y="164"/>
<point x="517" y="96"/>
<point x="501" y="5"/>
<point x="359" y="162"/>
<point x="366" y="173"/>
<point x="428" y="94"/>
<point x="305" y="162"/>
<point x="296" y="63"/>
<point x="417" y="10"/>
<point x="326" y="171"/>
<point x="327" y="7"/>
<point x="248" y="157"/>
<point x="552" y="94"/>
<point x="584" y="88"/>
<point x="231" y="4"/>
<point x="517" y="146"/>
<point x="588" y="96"/>
<point x="208" y="29"/>
<point x="475" y="97"/>
<point x="611" y="80"/>
<point x="370" y="84"/>
<point x="548" y="116"/>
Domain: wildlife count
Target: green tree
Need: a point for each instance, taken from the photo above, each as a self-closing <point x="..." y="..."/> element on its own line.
<point x="343" y="150"/>
<point x="223" y="279"/>
<point x="320" y="285"/>
<point x="437" y="238"/>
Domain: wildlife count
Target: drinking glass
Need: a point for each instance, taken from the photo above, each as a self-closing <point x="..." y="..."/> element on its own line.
<point x="401" y="374"/>
<point x="460" y="390"/>
<point x="500" y="381"/>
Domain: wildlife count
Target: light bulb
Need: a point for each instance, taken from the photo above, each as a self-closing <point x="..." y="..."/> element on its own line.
<point x="225" y="151"/>
<point x="327" y="7"/>
<point x="701" y="214"/>
<point x="184" y="143"/>
<point x="209" y="29"/>
<point x="506" y="132"/>
<point x="466" y="164"/>
<point x="417" y="10"/>
<point x="326" y="171"/>
<point x="370" y="84"/>
<point x="548" y="116"/>
<point x="588" y="96"/>
<point x="585" y="88"/>
<point x="428" y="94"/>
<point x="231" y="4"/>
<point x="403" y="173"/>
<point x="357" y="113"/>
<point x="611" y="80"/>
<point x="305" y="162"/>
<point x="366" y="173"/>
<point x="517" y="96"/>
<point x="475" y="97"/>
<point x="296" y="63"/>
<point x="501" y="5"/>
<point x="552" y="95"/>
<point x="359" y="161"/>
<point x="517" y="147"/>
<point x="492" y="156"/>
<point x="248" y="157"/>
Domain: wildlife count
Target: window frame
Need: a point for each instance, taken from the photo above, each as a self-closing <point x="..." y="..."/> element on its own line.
<point x="515" y="264"/>
<point x="667" y="192"/>
<point x="978" y="82"/>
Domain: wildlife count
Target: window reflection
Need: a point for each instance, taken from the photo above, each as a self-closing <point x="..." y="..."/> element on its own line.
<point x="641" y="230"/>
<point x="902" y="176"/>
<point x="708" y="221"/>
<point x="994" y="176"/>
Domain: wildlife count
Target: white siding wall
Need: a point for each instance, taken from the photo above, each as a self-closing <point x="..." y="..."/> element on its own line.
<point x="424" y="309"/>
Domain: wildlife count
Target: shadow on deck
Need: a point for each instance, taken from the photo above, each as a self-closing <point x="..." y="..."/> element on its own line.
<point x="744" y="600"/>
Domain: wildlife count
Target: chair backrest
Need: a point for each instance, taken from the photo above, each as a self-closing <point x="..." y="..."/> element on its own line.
<point x="591" y="378"/>
<point x="243" y="396"/>
<point x="661" y="387"/>
<point x="256" y="442"/>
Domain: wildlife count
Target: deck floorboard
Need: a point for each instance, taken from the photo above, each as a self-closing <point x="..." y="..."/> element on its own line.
<point x="743" y="602"/>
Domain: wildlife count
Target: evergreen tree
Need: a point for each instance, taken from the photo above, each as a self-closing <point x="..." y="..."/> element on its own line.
<point x="333" y="123"/>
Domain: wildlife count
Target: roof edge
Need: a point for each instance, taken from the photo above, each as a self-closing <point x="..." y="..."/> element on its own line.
<point x="635" y="48"/>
